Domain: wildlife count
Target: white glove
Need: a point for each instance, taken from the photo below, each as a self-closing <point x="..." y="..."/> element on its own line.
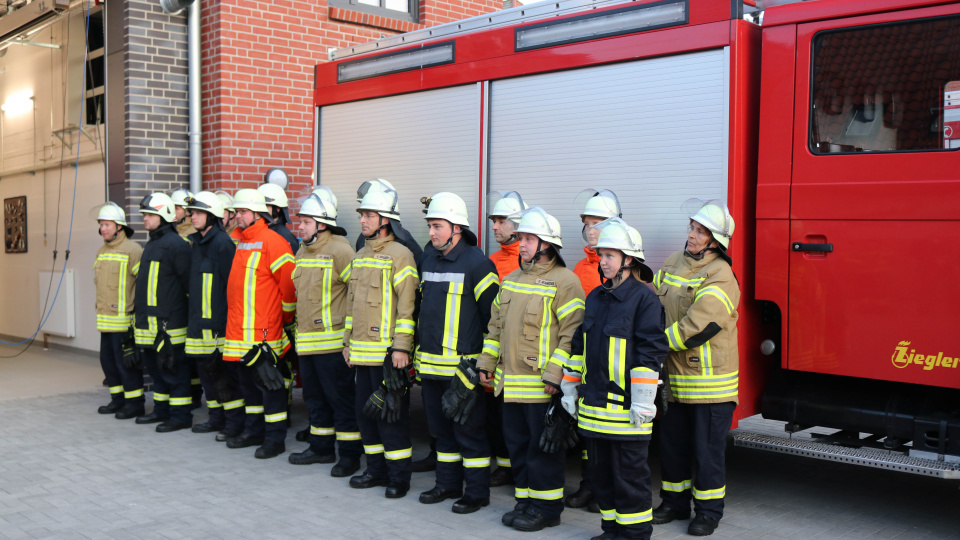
<point x="568" y="386"/>
<point x="643" y="394"/>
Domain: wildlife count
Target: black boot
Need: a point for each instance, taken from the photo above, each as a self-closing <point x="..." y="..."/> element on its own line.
<point x="244" y="440"/>
<point x="702" y="525"/>
<point x="581" y="498"/>
<point x="437" y="494"/>
<point x="396" y="490"/>
<point x="110" y="408"/>
<point x="469" y="505"/>
<point x="168" y="426"/>
<point x="345" y="467"/>
<point x="367" y="480"/>
<point x="426" y="464"/>
<point x="205" y="427"/>
<point x="665" y="514"/>
<point x="309" y="457"/>
<point x="227" y="434"/>
<point x="270" y="449"/>
<point x="501" y="477"/>
<point x="128" y="412"/>
<point x="518" y="510"/>
<point x="532" y="521"/>
<point x="151" y="418"/>
<point x="303" y="435"/>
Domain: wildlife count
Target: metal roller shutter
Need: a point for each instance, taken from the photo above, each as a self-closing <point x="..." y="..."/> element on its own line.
<point x="422" y="143"/>
<point x="653" y="131"/>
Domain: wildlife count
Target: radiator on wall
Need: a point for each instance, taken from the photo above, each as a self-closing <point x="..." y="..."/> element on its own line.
<point x="63" y="315"/>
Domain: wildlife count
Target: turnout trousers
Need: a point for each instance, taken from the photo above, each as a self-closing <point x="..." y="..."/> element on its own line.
<point x="539" y="476"/>
<point x="172" y="397"/>
<point x="329" y="391"/>
<point x="494" y="405"/>
<point x="693" y="443"/>
<point x="266" y="410"/>
<point x="226" y="412"/>
<point x="621" y="485"/>
<point x="126" y="384"/>
<point x="463" y="451"/>
<point x="387" y="446"/>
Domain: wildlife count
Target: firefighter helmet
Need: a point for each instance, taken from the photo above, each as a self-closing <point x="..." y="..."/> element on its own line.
<point x="448" y="206"/>
<point x="537" y="222"/>
<point x="509" y="204"/>
<point x="274" y="194"/>
<point x="180" y="196"/>
<point x="616" y="234"/>
<point x="250" y="199"/>
<point x="111" y="211"/>
<point x="208" y="202"/>
<point x="160" y="204"/>
<point x="715" y="216"/>
<point x="322" y="211"/>
<point x="601" y="203"/>
<point x="326" y="195"/>
<point x="379" y="196"/>
<point x="226" y="199"/>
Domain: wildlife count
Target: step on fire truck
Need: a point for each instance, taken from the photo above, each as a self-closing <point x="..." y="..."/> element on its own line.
<point x="830" y="127"/>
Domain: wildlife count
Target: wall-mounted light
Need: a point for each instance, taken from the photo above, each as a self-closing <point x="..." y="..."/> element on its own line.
<point x="172" y="7"/>
<point x="18" y="104"/>
<point x="430" y="55"/>
<point x="277" y="176"/>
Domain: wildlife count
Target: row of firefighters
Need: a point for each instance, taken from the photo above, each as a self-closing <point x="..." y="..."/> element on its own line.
<point x="519" y="358"/>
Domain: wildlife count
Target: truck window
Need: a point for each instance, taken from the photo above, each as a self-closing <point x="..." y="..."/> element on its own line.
<point x="885" y="88"/>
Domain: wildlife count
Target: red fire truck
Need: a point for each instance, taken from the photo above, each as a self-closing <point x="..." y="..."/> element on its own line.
<point x="827" y="126"/>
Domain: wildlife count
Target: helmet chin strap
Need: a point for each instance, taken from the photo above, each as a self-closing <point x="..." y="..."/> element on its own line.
<point x="608" y="284"/>
<point x="115" y="234"/>
<point x="449" y="242"/>
<point x="536" y="256"/>
<point x="380" y="225"/>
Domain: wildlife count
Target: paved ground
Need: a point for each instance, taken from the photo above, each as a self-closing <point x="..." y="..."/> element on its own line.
<point x="67" y="472"/>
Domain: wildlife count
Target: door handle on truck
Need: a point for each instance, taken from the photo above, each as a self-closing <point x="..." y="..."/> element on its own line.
<point x="799" y="246"/>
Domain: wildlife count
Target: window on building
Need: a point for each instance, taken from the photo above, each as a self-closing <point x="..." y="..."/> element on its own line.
<point x="407" y="10"/>
<point x="95" y="106"/>
<point x="887" y="88"/>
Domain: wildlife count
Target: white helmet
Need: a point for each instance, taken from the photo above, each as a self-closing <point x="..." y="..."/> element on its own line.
<point x="448" y="206"/>
<point x="226" y="199"/>
<point x="208" y="202"/>
<point x="327" y="196"/>
<point x="715" y="216"/>
<point x="601" y="203"/>
<point x="160" y="204"/>
<point x="274" y="194"/>
<point x="314" y="206"/>
<point x="180" y="197"/>
<point x="250" y="199"/>
<point x="537" y="222"/>
<point x="616" y="234"/>
<point x="509" y="204"/>
<point x="379" y="196"/>
<point x="111" y="211"/>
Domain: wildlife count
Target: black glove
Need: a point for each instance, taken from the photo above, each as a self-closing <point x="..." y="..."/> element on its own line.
<point x="393" y="404"/>
<point x="166" y="360"/>
<point x="373" y="408"/>
<point x="131" y="354"/>
<point x="396" y="378"/>
<point x="264" y="360"/>
<point x="559" y="429"/>
<point x="460" y="399"/>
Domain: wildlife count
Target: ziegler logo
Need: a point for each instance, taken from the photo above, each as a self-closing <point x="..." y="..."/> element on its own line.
<point x="901" y="358"/>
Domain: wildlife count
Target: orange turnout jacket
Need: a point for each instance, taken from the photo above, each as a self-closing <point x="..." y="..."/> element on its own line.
<point x="586" y="270"/>
<point x="506" y="259"/>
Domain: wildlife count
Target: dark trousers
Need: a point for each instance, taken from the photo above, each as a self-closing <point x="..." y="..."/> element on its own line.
<point x="622" y="486"/>
<point x="126" y="384"/>
<point x="463" y="451"/>
<point x="693" y="443"/>
<point x="539" y="476"/>
<point x="586" y="472"/>
<point x="387" y="446"/>
<point x="171" y="391"/>
<point x="266" y="410"/>
<point x="226" y="412"/>
<point x="494" y="406"/>
<point x="329" y="391"/>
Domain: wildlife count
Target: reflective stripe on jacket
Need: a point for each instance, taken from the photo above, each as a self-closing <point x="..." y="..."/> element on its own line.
<point x="162" y="285"/>
<point x="115" y="277"/>
<point x="621" y="338"/>
<point x="456" y="292"/>
<point x="210" y="264"/>
<point x="700" y="299"/>
<point x="380" y="301"/>
<point x="321" y="277"/>
<point x="532" y="322"/>
<point x="260" y="293"/>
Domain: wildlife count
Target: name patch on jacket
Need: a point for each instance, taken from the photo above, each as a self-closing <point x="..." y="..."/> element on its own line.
<point x="317" y="321"/>
<point x="384" y="257"/>
<point x="324" y="257"/>
<point x="547" y="283"/>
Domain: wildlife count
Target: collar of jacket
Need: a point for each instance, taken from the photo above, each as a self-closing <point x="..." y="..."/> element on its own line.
<point x="200" y="238"/>
<point x="541" y="268"/>
<point x="254" y="230"/>
<point x="622" y="290"/>
<point x="117" y="240"/>
<point x="592" y="256"/>
<point x="378" y="243"/>
<point x="454" y="252"/>
<point x="695" y="264"/>
<point x="511" y="249"/>
<point x="162" y="230"/>
<point x="322" y="238"/>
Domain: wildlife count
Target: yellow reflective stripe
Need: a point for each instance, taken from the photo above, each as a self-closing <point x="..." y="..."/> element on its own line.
<point x="673" y="337"/>
<point x="348" y="435"/>
<point x="275" y="417"/>
<point x="617" y="361"/>
<point x="569" y="308"/>
<point x="178" y="336"/>
<point x="116" y="389"/>
<point x="289" y="306"/>
<point x="546" y="495"/>
<point x="161" y="397"/>
<point x="145" y="337"/>
<point x="543" y="352"/>
<point x="211" y="404"/>
<point x="321" y="431"/>
<point x="238" y="348"/>
<point x="319" y="341"/>
<point x="206" y="310"/>
<point x="325" y="296"/>
<point x="484" y="284"/>
<point x="633" y="519"/>
<point x="677" y="281"/>
<point x="345" y="275"/>
<point x="250" y="298"/>
<point x="707" y="494"/>
<point x="608" y="515"/>
<point x="658" y="278"/>
<point x="451" y="320"/>
<point x="706" y="358"/>
<point x="704" y="386"/>
<point x="491" y="347"/>
<point x="366" y="262"/>
<point x="368" y="353"/>
<point x="114" y="323"/>
<point x="152" y="272"/>
<point x="394" y="455"/>
<point x="254" y="409"/>
<point x="587" y="423"/>
<point x="406" y="272"/>
<point x="136" y="268"/>
<point x="717" y="293"/>
<point x="133" y="393"/>
<point x="447" y="457"/>
<point x="521" y="493"/>
<point x="527" y="387"/>
<point x="372" y="449"/>
<point x="476" y="463"/>
<point x="560" y="358"/>
<point x="677" y="487"/>
<point x="348" y="322"/>
<point x="281" y="260"/>
<point x="404" y="326"/>
<point x="503" y="462"/>
<point x="386" y="310"/>
<point x="178" y="401"/>
<point x="314" y="263"/>
<point x="575" y="363"/>
<point x="527" y="288"/>
<point x="235" y="404"/>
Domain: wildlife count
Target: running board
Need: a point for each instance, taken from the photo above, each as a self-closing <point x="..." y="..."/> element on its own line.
<point x="865" y="457"/>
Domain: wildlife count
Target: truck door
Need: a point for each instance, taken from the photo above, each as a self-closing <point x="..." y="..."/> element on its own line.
<point x="874" y="222"/>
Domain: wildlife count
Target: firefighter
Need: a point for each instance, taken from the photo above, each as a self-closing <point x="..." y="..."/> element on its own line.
<point x="161" y="315"/>
<point x="378" y="339"/>
<point x="612" y="379"/>
<point x="457" y="287"/>
<point x="184" y="224"/>
<point x="212" y="258"/>
<point x="700" y="294"/>
<point x="600" y="205"/>
<point x="115" y="278"/>
<point x="279" y="215"/>
<point x="321" y="277"/>
<point x="532" y="322"/>
<point x="261" y="299"/>
<point x="229" y="216"/>
<point x="504" y="219"/>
